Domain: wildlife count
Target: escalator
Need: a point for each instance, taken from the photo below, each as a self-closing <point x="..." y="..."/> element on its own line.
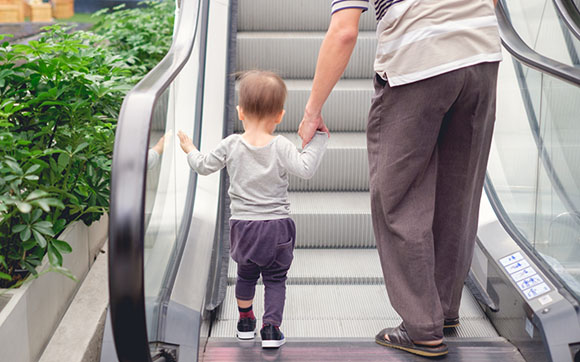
<point x="171" y="280"/>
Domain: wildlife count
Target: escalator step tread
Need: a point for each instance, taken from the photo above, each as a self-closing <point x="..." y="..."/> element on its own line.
<point x="330" y="266"/>
<point x="342" y="312"/>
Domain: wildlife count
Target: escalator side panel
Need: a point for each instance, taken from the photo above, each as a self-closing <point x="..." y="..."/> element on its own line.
<point x="525" y="319"/>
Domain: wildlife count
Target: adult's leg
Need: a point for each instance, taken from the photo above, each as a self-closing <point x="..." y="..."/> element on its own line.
<point x="463" y="149"/>
<point x="402" y="133"/>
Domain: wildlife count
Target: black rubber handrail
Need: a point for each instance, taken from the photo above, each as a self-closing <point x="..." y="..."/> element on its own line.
<point x="127" y="200"/>
<point x="527" y="56"/>
<point x="569" y="13"/>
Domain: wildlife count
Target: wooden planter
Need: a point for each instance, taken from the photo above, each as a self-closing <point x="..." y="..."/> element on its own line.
<point x="29" y="315"/>
<point x="11" y="11"/>
<point x="39" y="13"/>
<point x="63" y="9"/>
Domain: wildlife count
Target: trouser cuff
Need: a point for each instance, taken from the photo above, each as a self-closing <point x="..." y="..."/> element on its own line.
<point x="426" y="332"/>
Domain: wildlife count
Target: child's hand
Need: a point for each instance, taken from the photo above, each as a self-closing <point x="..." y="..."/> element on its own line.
<point x="185" y="142"/>
<point x="159" y="145"/>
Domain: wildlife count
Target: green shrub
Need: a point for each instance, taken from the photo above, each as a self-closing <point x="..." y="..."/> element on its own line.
<point x="60" y="98"/>
<point x="141" y="36"/>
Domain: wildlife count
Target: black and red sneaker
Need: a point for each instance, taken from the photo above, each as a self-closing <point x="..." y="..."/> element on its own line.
<point x="246" y="328"/>
<point x="272" y="337"/>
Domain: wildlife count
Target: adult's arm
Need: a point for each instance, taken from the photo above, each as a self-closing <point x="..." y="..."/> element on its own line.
<point x="333" y="58"/>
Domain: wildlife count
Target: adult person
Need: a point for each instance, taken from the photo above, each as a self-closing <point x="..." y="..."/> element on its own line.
<point x="428" y="138"/>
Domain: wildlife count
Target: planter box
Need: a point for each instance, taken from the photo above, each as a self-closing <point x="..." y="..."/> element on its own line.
<point x="29" y="315"/>
<point x="9" y="13"/>
<point x="63" y="9"/>
<point x="39" y="12"/>
<point x="98" y="235"/>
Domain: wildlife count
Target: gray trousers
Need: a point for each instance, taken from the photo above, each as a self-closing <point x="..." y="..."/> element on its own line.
<point x="428" y="144"/>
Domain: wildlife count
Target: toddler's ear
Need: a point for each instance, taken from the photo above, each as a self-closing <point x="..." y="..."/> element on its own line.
<point x="280" y="116"/>
<point x="241" y="115"/>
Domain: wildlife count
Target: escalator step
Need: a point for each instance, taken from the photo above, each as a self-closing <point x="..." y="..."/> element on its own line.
<point x="343" y="312"/>
<point x="290" y="15"/>
<point x="345" y="110"/>
<point x="294" y="54"/>
<point x="332" y="219"/>
<point x="329" y="266"/>
<point x="346" y="151"/>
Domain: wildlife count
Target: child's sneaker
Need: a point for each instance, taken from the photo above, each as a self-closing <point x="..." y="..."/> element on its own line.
<point x="272" y="337"/>
<point x="246" y="328"/>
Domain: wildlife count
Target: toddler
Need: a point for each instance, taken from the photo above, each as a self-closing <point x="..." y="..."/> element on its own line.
<point x="262" y="234"/>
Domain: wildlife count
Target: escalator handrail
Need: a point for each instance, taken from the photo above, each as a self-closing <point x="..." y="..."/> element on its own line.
<point x="525" y="55"/>
<point x="514" y="44"/>
<point x="127" y="199"/>
<point x="570" y="14"/>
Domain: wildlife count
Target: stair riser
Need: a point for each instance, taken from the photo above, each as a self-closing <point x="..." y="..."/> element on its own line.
<point x="346" y="110"/>
<point x="340" y="170"/>
<point x="334" y="231"/>
<point x="294" y="56"/>
<point x="291" y="15"/>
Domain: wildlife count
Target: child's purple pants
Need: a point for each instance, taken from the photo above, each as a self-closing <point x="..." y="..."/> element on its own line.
<point x="263" y="247"/>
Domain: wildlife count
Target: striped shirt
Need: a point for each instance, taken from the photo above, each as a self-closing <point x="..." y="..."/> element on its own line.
<point x="419" y="39"/>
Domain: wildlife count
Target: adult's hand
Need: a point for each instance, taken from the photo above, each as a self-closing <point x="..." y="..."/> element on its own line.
<point x="309" y="125"/>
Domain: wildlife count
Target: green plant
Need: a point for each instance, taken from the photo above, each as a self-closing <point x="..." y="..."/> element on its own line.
<point x="59" y="101"/>
<point x="142" y="36"/>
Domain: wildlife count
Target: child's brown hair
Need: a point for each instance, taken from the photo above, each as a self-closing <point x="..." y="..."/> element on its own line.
<point x="262" y="93"/>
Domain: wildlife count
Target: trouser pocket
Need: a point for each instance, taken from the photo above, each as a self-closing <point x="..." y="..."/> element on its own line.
<point x="285" y="253"/>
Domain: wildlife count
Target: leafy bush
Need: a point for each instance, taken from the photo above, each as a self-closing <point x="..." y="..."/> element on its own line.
<point x="59" y="100"/>
<point x="141" y="36"/>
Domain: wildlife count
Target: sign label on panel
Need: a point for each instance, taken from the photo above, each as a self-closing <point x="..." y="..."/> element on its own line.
<point x="527" y="279"/>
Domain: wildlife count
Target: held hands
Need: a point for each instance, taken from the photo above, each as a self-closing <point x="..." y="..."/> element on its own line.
<point x="185" y="142"/>
<point x="309" y="125"/>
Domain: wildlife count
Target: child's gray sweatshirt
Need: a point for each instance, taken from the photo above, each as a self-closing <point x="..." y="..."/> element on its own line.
<point x="259" y="175"/>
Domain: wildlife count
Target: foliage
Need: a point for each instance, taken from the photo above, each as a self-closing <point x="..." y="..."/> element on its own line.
<point x="142" y="36"/>
<point x="59" y="100"/>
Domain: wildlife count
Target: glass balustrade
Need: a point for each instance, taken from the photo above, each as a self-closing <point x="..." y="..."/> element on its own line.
<point x="538" y="23"/>
<point x="534" y="164"/>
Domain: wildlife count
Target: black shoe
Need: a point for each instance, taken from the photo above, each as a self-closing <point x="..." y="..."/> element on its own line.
<point x="451" y="323"/>
<point x="246" y="328"/>
<point x="272" y="337"/>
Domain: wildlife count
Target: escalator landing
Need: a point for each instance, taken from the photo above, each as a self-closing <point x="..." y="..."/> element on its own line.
<point x="491" y="349"/>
